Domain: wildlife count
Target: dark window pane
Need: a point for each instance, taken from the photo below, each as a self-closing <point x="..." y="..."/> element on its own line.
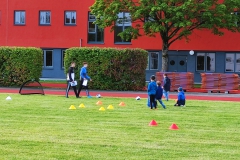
<point x="91" y="27"/>
<point x="63" y="55"/>
<point x="49" y="58"/>
<point x="95" y="34"/>
<point x="91" y="37"/>
<point x="200" y="61"/>
<point x="118" y="29"/>
<point x="154" y="60"/>
<point x="100" y="34"/>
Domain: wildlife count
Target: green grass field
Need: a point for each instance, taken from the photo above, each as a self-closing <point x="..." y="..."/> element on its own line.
<point x="43" y="128"/>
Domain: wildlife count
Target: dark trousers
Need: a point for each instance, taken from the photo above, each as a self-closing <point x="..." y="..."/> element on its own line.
<point x="152" y="101"/>
<point x="81" y="87"/>
<point x="181" y="102"/>
<point x="69" y="87"/>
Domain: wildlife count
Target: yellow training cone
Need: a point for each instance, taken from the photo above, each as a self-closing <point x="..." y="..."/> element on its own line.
<point x="102" y="109"/>
<point x="110" y="107"/>
<point x="81" y="105"/>
<point x="72" y="107"/>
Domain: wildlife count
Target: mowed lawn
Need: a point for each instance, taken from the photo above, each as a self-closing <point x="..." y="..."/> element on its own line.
<point x="43" y="128"/>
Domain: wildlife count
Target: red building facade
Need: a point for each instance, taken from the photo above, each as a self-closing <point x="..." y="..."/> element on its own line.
<point x="57" y="25"/>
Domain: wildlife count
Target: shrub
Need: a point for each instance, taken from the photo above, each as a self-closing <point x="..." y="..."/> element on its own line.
<point x="110" y="68"/>
<point x="19" y="64"/>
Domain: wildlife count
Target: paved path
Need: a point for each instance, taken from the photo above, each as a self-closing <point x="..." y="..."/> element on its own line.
<point x="133" y="94"/>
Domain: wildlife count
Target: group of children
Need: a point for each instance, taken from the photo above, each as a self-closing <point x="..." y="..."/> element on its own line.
<point x="156" y="91"/>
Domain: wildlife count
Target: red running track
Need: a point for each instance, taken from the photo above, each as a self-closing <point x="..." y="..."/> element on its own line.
<point x="190" y="96"/>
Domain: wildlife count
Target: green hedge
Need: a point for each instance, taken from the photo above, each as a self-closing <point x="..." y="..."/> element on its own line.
<point x="19" y="64"/>
<point x="110" y="68"/>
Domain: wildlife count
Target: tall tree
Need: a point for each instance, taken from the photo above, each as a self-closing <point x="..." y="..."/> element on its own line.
<point x="172" y="19"/>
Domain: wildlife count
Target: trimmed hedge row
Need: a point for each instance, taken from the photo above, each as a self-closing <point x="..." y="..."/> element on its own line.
<point x="110" y="68"/>
<point x="19" y="64"/>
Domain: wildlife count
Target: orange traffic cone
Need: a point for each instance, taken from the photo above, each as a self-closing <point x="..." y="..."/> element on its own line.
<point x="153" y="123"/>
<point x="99" y="103"/>
<point x="122" y="104"/>
<point x="173" y="127"/>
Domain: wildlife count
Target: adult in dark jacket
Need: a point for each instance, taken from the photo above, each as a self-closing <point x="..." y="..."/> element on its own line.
<point x="166" y="86"/>
<point x="70" y="80"/>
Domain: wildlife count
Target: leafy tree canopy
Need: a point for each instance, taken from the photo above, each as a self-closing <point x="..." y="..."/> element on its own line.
<point x="172" y="19"/>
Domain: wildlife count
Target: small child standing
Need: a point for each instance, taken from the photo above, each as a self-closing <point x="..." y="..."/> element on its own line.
<point x="152" y="88"/>
<point x="159" y="94"/>
<point x="181" y="98"/>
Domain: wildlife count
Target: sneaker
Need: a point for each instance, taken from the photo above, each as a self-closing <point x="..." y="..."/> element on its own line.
<point x="89" y="96"/>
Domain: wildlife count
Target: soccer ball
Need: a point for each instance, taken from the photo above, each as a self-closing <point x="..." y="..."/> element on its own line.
<point x="98" y="96"/>
<point x="138" y="98"/>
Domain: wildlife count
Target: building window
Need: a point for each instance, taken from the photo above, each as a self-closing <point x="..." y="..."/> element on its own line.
<point x="153" y="60"/>
<point x="19" y="18"/>
<point x="237" y="66"/>
<point x="95" y="34"/>
<point x="232" y="63"/>
<point x="44" y="17"/>
<point x="147" y="63"/>
<point x="123" y="22"/>
<point x="63" y="55"/>
<point x="48" y="58"/>
<point x="70" y="17"/>
<point x="206" y="62"/>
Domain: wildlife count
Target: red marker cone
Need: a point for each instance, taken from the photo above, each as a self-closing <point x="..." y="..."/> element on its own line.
<point x="173" y="127"/>
<point x="153" y="123"/>
<point x="122" y="104"/>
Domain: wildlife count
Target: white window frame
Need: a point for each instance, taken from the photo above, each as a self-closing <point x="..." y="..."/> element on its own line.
<point x="71" y="15"/>
<point x="150" y="60"/>
<point x="205" y="54"/>
<point x="19" y="17"/>
<point x="124" y="20"/>
<point x="42" y="14"/>
<point x="91" y="19"/>
<point x="234" y="60"/>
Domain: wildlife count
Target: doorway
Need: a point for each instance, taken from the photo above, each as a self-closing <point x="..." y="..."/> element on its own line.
<point x="177" y="63"/>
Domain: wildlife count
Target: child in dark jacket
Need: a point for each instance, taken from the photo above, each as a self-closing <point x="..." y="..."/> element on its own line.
<point x="159" y="94"/>
<point x="181" y="98"/>
<point x="152" y="88"/>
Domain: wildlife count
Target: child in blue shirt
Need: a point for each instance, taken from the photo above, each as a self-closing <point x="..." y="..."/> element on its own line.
<point x="152" y="88"/>
<point x="181" y="98"/>
<point x="159" y="94"/>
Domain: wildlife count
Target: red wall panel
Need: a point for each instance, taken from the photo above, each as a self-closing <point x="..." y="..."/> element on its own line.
<point x="57" y="35"/>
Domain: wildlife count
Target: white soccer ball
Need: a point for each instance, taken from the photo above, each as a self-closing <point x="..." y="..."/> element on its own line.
<point x="98" y="96"/>
<point x="138" y="98"/>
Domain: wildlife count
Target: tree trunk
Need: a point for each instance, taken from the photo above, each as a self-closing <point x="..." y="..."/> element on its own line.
<point x="165" y="58"/>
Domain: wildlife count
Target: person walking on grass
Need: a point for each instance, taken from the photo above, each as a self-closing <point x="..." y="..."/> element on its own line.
<point x="84" y="78"/>
<point x="159" y="94"/>
<point x="166" y="86"/>
<point x="70" y="80"/>
<point x="152" y="88"/>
